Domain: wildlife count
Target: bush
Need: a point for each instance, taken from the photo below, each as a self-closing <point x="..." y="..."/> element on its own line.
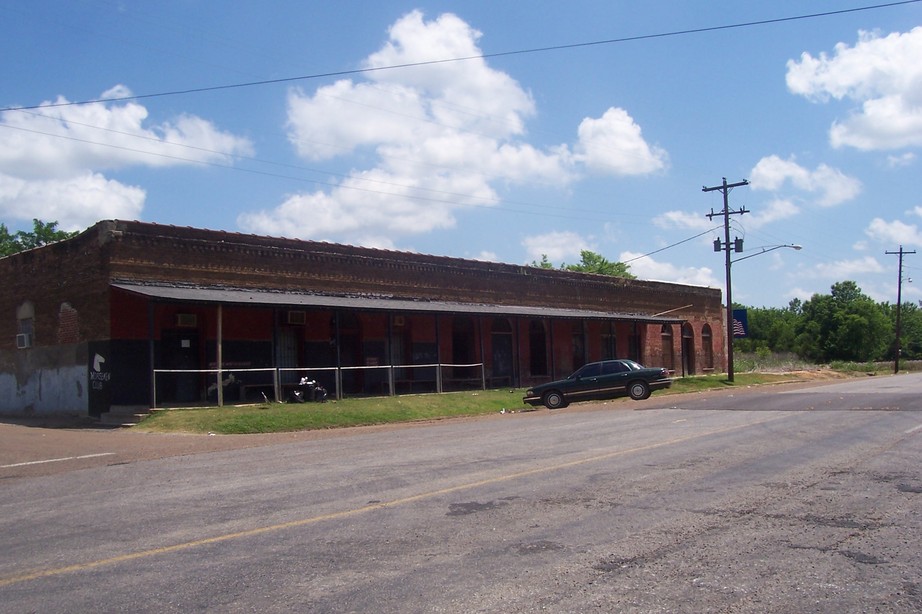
<point x="765" y="360"/>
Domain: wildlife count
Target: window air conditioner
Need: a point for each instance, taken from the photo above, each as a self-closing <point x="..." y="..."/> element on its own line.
<point x="23" y="341"/>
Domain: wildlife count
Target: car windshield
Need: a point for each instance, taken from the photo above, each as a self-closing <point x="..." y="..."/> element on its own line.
<point x="633" y="365"/>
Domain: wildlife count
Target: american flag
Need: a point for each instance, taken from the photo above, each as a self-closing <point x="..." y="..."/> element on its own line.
<point x="740" y="326"/>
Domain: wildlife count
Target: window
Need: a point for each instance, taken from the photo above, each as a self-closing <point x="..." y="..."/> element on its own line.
<point x="610" y="368"/>
<point x="590" y="370"/>
<point x="579" y="345"/>
<point x="25" y="325"/>
<point x="609" y="340"/>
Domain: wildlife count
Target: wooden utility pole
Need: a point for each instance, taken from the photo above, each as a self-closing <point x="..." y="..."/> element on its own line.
<point x="725" y="188"/>
<point x="897" y="350"/>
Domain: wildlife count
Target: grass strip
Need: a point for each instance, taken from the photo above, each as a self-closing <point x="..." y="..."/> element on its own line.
<point x="285" y="417"/>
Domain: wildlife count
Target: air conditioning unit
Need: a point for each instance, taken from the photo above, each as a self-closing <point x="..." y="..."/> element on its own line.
<point x="297" y="317"/>
<point x="186" y="320"/>
<point x="23" y="341"/>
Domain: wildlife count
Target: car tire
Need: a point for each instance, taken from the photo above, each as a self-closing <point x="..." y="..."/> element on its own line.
<point x="553" y="399"/>
<point x="639" y="390"/>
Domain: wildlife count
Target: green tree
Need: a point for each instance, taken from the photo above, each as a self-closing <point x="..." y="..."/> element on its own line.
<point x="544" y="263"/>
<point x="844" y="325"/>
<point x="42" y="234"/>
<point x="910" y="330"/>
<point x="591" y="262"/>
<point x="770" y="328"/>
<point x="7" y="242"/>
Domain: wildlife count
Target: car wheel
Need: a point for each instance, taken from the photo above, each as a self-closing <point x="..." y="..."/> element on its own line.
<point x="639" y="390"/>
<point x="554" y="400"/>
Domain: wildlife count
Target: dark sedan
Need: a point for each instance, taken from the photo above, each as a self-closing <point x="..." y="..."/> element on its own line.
<point x="600" y="380"/>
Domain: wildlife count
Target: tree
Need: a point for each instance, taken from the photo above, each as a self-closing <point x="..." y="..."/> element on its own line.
<point x="844" y="325"/>
<point x="544" y="263"/>
<point x="42" y="234"/>
<point x="591" y="262"/>
<point x="7" y="242"/>
<point x="910" y="330"/>
<point x="770" y="329"/>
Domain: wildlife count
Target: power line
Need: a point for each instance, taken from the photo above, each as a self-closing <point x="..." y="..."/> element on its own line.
<point x="662" y="249"/>
<point x="355" y="71"/>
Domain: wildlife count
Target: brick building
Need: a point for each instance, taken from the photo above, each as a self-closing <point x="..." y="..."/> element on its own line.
<point x="130" y="314"/>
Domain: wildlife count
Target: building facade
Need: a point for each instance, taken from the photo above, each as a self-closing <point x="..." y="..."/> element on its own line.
<point x="133" y="314"/>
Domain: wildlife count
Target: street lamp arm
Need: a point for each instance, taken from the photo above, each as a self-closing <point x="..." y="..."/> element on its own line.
<point x="766" y="248"/>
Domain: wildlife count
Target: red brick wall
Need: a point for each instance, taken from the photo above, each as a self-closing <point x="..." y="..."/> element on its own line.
<point x="78" y="272"/>
<point x="68" y="284"/>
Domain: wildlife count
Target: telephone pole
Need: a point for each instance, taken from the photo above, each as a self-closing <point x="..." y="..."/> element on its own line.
<point x="737" y="245"/>
<point x="899" y="301"/>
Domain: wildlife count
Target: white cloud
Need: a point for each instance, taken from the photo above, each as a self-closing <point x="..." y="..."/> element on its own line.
<point x="613" y="143"/>
<point x="901" y="160"/>
<point x="651" y="269"/>
<point x="799" y="293"/>
<point x="894" y="232"/>
<point x="774" y="211"/>
<point x="559" y="247"/>
<point x="842" y="269"/>
<point x="51" y="158"/>
<point x="441" y="136"/>
<point x="684" y="219"/>
<point x="882" y="74"/>
<point x="831" y="186"/>
<point x="74" y="202"/>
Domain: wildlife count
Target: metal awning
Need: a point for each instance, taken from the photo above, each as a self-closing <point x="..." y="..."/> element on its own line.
<point x="295" y="300"/>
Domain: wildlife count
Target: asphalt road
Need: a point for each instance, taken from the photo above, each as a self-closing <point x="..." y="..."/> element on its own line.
<point x="778" y="499"/>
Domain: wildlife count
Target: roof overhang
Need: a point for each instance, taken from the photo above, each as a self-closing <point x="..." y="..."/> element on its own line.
<point x="295" y="300"/>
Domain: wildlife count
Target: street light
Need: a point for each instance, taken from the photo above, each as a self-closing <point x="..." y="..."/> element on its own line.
<point x="768" y="248"/>
<point x="738" y="245"/>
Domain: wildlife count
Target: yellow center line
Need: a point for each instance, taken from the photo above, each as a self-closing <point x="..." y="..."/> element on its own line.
<point x="56" y="571"/>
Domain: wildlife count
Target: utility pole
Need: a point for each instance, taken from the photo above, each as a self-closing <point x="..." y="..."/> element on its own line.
<point x="737" y="245"/>
<point x="899" y="301"/>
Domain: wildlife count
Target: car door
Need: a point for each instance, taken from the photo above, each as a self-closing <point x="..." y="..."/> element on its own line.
<point x="613" y="379"/>
<point x="584" y="384"/>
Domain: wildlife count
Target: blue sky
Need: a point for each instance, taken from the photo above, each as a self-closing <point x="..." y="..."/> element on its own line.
<point x="502" y="156"/>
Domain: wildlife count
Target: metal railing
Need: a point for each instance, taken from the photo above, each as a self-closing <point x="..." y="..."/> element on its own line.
<point x="195" y="386"/>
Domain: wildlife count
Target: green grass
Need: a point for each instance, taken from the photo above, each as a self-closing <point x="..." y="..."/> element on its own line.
<point x="282" y="417"/>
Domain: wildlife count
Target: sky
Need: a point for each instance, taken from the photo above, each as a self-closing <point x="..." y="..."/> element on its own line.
<point x="490" y="130"/>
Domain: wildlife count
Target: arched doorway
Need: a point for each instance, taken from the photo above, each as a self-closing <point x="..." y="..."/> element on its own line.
<point x="707" y="347"/>
<point x="688" y="349"/>
<point x="668" y="347"/>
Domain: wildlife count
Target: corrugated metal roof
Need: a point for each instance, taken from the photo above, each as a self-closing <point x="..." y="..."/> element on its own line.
<point x="289" y="299"/>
